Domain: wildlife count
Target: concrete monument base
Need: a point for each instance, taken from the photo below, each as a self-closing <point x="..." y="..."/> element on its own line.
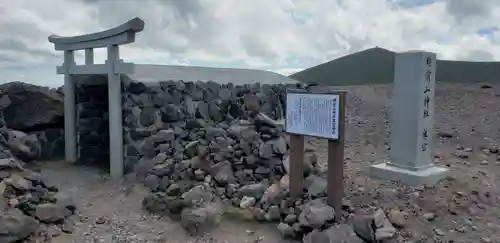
<point x="428" y="176"/>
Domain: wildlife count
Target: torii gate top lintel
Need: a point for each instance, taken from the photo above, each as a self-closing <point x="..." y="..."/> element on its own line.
<point x="119" y="35"/>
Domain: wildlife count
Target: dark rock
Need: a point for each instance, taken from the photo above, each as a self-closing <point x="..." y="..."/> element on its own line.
<point x="152" y="181"/>
<point x="223" y="173"/>
<point x="286" y="230"/>
<point x="364" y="227"/>
<point x="19" y="182"/>
<point x="136" y="88"/>
<point x="273" y="214"/>
<point x="316" y="214"/>
<point x="198" y="196"/>
<point x="32" y="107"/>
<point x="65" y="200"/>
<point x="316" y="186"/>
<point x="335" y="234"/>
<point x="51" y="213"/>
<point x="253" y="190"/>
<point x="68" y="226"/>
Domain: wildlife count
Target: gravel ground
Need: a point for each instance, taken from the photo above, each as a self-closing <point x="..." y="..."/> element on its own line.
<point x="462" y="208"/>
<point x="106" y="214"/>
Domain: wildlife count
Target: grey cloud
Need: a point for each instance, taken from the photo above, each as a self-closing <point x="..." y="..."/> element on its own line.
<point x="356" y="44"/>
<point x="463" y="9"/>
<point x="479" y="55"/>
<point x="255" y="47"/>
<point x="4" y="60"/>
<point x="13" y="38"/>
<point x="12" y="44"/>
<point x="22" y="29"/>
<point x="176" y="18"/>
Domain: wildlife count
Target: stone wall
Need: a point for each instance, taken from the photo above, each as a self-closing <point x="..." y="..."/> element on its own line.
<point x="199" y="146"/>
<point x="52" y="143"/>
<point x="93" y="121"/>
<point x="179" y="119"/>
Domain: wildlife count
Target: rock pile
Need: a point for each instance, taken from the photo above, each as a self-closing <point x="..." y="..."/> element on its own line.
<point x="36" y="114"/>
<point x="30" y="209"/>
<point x="203" y="148"/>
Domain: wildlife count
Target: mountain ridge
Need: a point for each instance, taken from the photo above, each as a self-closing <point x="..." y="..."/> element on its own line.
<point x="377" y="67"/>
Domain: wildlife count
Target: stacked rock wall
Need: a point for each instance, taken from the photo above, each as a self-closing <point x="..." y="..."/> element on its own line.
<point x="178" y="119"/>
<point x="92" y="120"/>
<point x="198" y="146"/>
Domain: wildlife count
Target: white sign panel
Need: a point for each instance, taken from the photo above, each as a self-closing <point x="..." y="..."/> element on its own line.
<point x="313" y="114"/>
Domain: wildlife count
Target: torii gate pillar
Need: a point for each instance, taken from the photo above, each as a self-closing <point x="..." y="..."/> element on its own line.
<point x="114" y="67"/>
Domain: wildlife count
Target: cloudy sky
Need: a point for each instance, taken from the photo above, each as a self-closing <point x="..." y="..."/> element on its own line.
<point x="279" y="35"/>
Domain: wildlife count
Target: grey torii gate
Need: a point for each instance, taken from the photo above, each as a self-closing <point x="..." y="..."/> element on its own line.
<point x="114" y="66"/>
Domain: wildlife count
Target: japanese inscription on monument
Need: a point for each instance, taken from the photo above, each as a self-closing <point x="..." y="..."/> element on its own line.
<point x="312" y="114"/>
<point x="427" y="103"/>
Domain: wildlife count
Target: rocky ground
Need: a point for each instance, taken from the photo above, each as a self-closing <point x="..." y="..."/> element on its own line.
<point x="462" y="208"/>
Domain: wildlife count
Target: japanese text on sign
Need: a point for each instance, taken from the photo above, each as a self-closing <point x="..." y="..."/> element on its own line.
<point x="427" y="100"/>
<point x="313" y="114"/>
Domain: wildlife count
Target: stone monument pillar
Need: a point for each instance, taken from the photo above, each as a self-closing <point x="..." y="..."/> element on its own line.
<point x="412" y="122"/>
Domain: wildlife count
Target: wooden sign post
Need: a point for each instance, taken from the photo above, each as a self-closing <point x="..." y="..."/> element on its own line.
<point x="319" y="115"/>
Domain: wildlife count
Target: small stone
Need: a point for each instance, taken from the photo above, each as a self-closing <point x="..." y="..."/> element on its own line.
<point x="462" y="154"/>
<point x="173" y="190"/>
<point x="253" y="190"/>
<point x="68" y="226"/>
<point x="461" y="229"/>
<point x="54" y="231"/>
<point x="362" y="225"/>
<point x="50" y="213"/>
<point x="225" y="94"/>
<point x="279" y="145"/>
<point x="273" y="214"/>
<point x="445" y="134"/>
<point x="335" y="234"/>
<point x="247" y="202"/>
<point x="316" y="213"/>
<point x="199" y="175"/>
<point x="199" y="220"/>
<point x="486" y="240"/>
<point x="398" y="218"/>
<point x="259" y="214"/>
<point x="222" y="172"/>
<point x="101" y="220"/>
<point x="191" y="149"/>
<point x="198" y="196"/>
<point x="290" y="219"/>
<point x="438" y="232"/>
<point x="429" y="216"/>
<point x="384" y="229"/>
<point x="152" y="181"/>
<point x="266" y="151"/>
<point x="286" y="230"/>
<point x="17" y="181"/>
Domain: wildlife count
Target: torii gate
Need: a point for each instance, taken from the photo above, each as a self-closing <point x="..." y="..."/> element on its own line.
<point x="114" y="66"/>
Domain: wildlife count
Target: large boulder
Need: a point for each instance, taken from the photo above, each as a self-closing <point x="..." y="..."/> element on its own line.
<point x="15" y="225"/>
<point x="197" y="221"/>
<point x="23" y="146"/>
<point x="32" y="107"/>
